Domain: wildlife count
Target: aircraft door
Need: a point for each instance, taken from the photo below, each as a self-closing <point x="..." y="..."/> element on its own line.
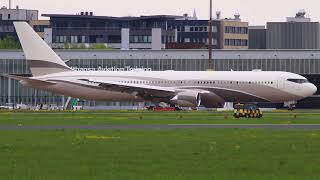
<point x="281" y="83"/>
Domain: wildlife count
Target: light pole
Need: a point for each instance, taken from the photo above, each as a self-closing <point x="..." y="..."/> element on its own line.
<point x="210" y="39"/>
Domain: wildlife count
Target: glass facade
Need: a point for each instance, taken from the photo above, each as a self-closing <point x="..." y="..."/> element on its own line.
<point x="98" y="29"/>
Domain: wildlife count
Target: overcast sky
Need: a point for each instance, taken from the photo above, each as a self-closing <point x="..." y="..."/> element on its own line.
<point x="256" y="12"/>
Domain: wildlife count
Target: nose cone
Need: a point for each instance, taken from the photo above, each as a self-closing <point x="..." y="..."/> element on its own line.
<point x="311" y="89"/>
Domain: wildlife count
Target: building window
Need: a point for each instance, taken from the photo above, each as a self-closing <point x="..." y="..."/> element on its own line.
<point x="74" y="39"/>
<point x="214" y="29"/>
<point x="233" y="30"/>
<point x="61" y="39"/>
<point x="214" y="42"/>
<point x="83" y="39"/>
<point x="140" y="39"/>
<point x="204" y="40"/>
<point x="236" y="42"/>
<point x="149" y="39"/>
<point x="244" y="42"/>
<point x="135" y="39"/>
<point x="232" y="42"/>
<point x="9" y="16"/>
<point x="145" y="39"/>
<point x="236" y="30"/>
<point x="226" y="29"/>
<point x="226" y="42"/>
<point x="244" y="30"/>
<point x="40" y="28"/>
<point x="131" y="39"/>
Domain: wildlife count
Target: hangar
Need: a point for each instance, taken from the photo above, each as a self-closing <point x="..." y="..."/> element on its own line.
<point x="303" y="62"/>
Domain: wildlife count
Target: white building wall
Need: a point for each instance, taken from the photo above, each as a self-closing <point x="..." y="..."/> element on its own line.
<point x="48" y="36"/>
<point x="32" y="15"/>
<point x="140" y="45"/>
<point x="19" y="14"/>
<point x="125" y="39"/>
<point x="156" y="39"/>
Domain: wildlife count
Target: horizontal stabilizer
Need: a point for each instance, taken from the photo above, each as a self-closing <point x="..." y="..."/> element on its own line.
<point x="30" y="80"/>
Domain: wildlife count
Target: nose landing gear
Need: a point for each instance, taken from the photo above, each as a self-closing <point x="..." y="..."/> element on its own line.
<point x="291" y="105"/>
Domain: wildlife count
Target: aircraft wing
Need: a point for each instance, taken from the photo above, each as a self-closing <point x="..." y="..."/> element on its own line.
<point x="145" y="91"/>
<point x="151" y="92"/>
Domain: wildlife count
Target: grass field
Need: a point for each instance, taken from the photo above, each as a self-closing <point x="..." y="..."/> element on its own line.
<point x="157" y="154"/>
<point x="112" y="118"/>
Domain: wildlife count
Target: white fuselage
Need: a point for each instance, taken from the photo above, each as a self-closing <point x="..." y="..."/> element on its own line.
<point x="232" y="86"/>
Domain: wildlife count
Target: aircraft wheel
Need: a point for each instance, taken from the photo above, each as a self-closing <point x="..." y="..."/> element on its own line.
<point x="251" y="115"/>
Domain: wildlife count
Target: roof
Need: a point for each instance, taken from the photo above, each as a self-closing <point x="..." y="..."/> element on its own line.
<point x="127" y="18"/>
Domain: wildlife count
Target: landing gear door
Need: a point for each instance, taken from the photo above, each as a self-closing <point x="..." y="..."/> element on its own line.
<point x="281" y="83"/>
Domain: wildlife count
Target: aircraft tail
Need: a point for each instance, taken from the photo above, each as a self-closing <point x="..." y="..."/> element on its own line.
<point x="41" y="58"/>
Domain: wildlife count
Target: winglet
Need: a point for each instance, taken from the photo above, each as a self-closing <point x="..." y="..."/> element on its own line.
<point x="41" y="58"/>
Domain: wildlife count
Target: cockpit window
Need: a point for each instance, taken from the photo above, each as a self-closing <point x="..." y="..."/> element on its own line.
<point x="299" y="81"/>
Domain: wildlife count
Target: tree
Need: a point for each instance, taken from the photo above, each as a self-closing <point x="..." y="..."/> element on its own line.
<point x="9" y="42"/>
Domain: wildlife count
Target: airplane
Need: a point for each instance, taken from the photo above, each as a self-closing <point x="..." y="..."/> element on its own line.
<point x="210" y="89"/>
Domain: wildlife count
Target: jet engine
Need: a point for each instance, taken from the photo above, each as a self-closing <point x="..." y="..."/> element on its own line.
<point x="194" y="98"/>
<point x="187" y="99"/>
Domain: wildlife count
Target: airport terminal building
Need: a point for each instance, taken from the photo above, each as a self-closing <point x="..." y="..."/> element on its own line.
<point x="145" y="32"/>
<point x="304" y="62"/>
<point x="158" y="43"/>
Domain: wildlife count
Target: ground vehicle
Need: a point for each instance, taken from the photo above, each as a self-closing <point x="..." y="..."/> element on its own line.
<point x="247" y="111"/>
<point x="8" y="106"/>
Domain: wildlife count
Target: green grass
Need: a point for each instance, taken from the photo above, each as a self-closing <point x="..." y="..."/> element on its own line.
<point x="166" y="154"/>
<point x="111" y="118"/>
<point x="248" y="154"/>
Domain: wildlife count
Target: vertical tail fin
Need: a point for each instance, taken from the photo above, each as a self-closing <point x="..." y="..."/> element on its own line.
<point x="41" y="58"/>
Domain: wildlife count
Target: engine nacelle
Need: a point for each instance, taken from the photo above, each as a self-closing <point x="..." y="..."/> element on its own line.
<point x="194" y="98"/>
<point x="187" y="99"/>
<point x="211" y="100"/>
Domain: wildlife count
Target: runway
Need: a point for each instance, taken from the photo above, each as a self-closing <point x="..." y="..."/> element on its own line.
<point x="165" y="127"/>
